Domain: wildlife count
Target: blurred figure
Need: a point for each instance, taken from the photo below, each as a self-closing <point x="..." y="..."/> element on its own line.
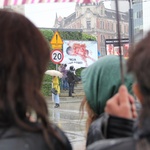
<point x="71" y="80"/>
<point x="24" y="56"/>
<point x="110" y="49"/>
<point x="60" y="67"/>
<point x="120" y="105"/>
<point x="65" y="85"/>
<point x="101" y="81"/>
<point x="55" y="81"/>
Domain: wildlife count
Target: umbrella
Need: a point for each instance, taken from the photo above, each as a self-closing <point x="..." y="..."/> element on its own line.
<point x="54" y="73"/>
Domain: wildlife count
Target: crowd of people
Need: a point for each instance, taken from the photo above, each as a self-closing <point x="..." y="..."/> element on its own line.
<point x="66" y="82"/>
<point x="113" y="122"/>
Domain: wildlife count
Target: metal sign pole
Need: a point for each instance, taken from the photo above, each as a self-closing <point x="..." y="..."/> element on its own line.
<point x="131" y="39"/>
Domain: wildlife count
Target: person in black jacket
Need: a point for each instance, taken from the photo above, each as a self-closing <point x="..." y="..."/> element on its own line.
<point x="120" y="104"/>
<point x="24" y="56"/>
<point x="71" y="80"/>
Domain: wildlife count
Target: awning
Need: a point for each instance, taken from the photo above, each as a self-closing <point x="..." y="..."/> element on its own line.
<point x="21" y="2"/>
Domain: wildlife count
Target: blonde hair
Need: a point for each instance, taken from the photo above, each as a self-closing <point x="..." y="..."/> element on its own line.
<point x="91" y="115"/>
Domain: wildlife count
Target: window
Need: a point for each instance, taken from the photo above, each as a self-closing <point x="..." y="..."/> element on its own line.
<point x="88" y="24"/>
<point x="120" y="28"/>
<point x="102" y="38"/>
<point x="101" y="11"/>
<point x="124" y="29"/>
<point x="108" y="26"/>
<point x="112" y="27"/>
<point x="101" y="24"/>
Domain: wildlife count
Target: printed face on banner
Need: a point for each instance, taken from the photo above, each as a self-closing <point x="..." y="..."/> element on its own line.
<point x="80" y="52"/>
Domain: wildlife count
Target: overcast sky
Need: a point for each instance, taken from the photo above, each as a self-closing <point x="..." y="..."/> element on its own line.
<point x="43" y="15"/>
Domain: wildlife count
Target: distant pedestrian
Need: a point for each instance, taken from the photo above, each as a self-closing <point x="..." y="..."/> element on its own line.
<point x="60" y="68"/>
<point x="55" y="81"/>
<point x="71" y="80"/>
<point x="65" y="85"/>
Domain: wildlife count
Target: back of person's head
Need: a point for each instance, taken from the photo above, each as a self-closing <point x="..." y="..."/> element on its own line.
<point x="102" y="80"/>
<point x="138" y="64"/>
<point x="24" y="55"/>
<point x="23" y="61"/>
<point x="71" y="68"/>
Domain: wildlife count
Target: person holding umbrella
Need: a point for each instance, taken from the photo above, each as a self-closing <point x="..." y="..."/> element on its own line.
<point x="120" y="104"/>
<point x="55" y="85"/>
<point x="101" y="81"/>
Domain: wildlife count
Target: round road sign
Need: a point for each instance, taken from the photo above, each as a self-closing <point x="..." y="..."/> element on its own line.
<point x="57" y="56"/>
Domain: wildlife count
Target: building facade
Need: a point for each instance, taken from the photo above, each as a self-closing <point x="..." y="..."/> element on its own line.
<point x="97" y="20"/>
<point x="141" y="21"/>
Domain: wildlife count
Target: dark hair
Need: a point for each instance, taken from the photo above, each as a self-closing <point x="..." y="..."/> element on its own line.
<point x="138" y="63"/>
<point x="72" y="68"/>
<point x="24" y="55"/>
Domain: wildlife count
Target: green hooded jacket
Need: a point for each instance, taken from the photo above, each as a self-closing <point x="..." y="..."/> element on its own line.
<point x="102" y="80"/>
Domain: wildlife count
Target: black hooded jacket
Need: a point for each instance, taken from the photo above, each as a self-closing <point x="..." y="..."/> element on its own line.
<point x="107" y="127"/>
<point x="70" y="76"/>
<point x="14" y="138"/>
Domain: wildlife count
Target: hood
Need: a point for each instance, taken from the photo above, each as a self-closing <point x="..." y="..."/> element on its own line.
<point x="101" y="81"/>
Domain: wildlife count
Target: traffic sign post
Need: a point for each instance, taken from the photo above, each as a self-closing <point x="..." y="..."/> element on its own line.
<point x="56" y="41"/>
<point x="56" y="56"/>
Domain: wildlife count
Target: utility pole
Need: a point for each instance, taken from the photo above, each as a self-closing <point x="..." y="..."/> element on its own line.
<point x="131" y="32"/>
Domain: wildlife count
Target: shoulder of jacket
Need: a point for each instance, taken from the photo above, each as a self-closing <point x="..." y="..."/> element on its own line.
<point x="114" y="144"/>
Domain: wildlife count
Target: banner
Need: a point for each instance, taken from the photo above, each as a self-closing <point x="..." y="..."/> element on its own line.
<point x="112" y="47"/>
<point x="21" y="2"/>
<point x="80" y="53"/>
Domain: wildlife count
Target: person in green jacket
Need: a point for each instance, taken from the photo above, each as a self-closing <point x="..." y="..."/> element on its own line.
<point x="101" y="81"/>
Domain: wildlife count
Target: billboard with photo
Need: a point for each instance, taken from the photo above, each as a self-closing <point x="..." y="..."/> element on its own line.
<point x="81" y="53"/>
<point x="112" y="47"/>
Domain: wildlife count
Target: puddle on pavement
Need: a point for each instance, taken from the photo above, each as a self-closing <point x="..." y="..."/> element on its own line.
<point x="68" y="121"/>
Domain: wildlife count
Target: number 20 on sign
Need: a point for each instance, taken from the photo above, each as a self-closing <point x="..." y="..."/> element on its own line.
<point x="57" y="56"/>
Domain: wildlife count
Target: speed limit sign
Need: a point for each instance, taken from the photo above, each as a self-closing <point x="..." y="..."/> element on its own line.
<point x="56" y="56"/>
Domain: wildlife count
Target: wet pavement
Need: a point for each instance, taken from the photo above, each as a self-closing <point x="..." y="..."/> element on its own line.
<point x="68" y="118"/>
